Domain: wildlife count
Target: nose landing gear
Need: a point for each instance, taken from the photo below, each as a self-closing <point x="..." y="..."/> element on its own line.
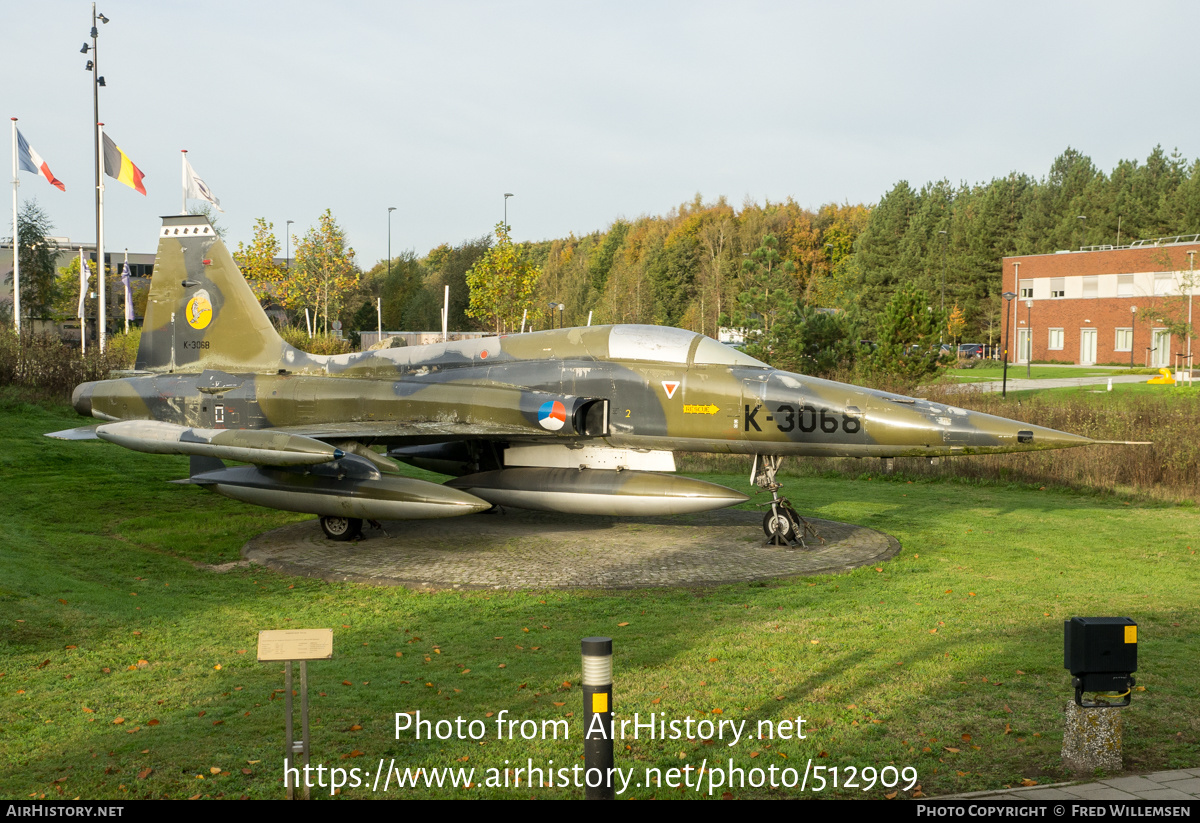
<point x="782" y="525"/>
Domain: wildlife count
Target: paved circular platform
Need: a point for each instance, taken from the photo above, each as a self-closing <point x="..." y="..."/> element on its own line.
<point x="538" y="550"/>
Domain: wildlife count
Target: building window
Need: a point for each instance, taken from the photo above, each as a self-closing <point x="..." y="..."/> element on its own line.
<point x="1124" y="285"/>
<point x="1056" y="339"/>
<point x="1091" y="285"/>
<point x="1124" y="340"/>
<point x="1058" y="287"/>
<point x="1163" y="283"/>
<point x="1026" y="289"/>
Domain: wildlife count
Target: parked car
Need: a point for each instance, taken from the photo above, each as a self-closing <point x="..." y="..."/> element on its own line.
<point x="971" y="351"/>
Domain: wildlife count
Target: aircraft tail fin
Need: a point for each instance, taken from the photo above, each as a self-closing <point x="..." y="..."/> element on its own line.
<point x="201" y="313"/>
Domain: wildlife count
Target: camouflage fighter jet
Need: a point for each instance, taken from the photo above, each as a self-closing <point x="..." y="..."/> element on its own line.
<point x="578" y="420"/>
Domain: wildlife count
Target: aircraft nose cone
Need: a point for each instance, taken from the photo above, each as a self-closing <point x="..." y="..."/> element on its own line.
<point x="989" y="432"/>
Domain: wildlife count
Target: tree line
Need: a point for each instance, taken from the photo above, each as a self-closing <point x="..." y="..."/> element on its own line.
<point x="808" y="285"/>
<point x="705" y="265"/>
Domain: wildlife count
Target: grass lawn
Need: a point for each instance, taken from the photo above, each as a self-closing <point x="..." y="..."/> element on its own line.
<point x="1098" y="394"/>
<point x="127" y="665"/>
<point x="981" y="374"/>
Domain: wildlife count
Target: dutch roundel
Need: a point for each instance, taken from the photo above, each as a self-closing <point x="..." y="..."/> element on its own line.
<point x="552" y="415"/>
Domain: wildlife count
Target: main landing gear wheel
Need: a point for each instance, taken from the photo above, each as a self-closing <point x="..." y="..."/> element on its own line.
<point x="341" y="528"/>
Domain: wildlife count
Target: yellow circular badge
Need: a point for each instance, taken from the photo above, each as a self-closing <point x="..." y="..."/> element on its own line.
<point x="199" y="310"/>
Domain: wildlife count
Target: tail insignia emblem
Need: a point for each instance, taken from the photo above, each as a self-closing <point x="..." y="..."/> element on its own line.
<point x="199" y="310"/>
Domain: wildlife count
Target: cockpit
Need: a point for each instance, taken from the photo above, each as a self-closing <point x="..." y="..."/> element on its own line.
<point x="660" y="344"/>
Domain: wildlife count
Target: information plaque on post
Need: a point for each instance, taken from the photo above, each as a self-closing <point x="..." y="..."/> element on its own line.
<point x="289" y="646"/>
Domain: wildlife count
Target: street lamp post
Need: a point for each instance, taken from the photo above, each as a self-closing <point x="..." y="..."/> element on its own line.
<point x="287" y="238"/>
<point x="379" y="300"/>
<point x="1082" y="230"/>
<point x="1191" y="292"/>
<point x="389" y="265"/>
<point x="945" y="242"/>
<point x="507" y="195"/>
<point x="93" y="66"/>
<point x="1132" y="332"/>
<point x="1008" y="298"/>
<point x="1029" y="336"/>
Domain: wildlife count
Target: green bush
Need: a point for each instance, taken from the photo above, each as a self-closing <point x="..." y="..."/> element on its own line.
<point x="317" y="344"/>
<point x="51" y="370"/>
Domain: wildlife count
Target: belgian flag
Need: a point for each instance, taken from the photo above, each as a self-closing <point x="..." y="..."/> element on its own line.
<point x="117" y="164"/>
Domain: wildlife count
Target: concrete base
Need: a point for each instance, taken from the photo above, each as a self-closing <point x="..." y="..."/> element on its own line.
<point x="540" y="550"/>
<point x="1092" y="740"/>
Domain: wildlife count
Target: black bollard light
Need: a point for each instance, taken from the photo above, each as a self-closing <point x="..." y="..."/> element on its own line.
<point x="597" y="718"/>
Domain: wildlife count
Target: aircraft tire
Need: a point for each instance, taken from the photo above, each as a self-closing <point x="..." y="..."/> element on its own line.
<point x="341" y="528"/>
<point x="778" y="527"/>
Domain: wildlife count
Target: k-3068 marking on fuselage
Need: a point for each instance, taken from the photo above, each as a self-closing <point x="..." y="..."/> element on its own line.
<point x="805" y="418"/>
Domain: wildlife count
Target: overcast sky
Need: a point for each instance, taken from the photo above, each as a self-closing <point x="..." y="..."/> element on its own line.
<point x="586" y="112"/>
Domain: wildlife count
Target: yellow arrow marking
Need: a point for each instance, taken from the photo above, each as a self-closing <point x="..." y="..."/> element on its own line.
<point x="709" y="409"/>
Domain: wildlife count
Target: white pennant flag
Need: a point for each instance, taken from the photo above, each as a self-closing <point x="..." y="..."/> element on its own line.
<point x="85" y="273"/>
<point x="196" y="189"/>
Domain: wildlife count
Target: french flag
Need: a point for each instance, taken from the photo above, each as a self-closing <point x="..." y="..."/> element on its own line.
<point x="30" y="160"/>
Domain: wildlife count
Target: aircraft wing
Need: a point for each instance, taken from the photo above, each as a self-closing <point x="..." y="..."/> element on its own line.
<point x="79" y="433"/>
<point x="416" y="432"/>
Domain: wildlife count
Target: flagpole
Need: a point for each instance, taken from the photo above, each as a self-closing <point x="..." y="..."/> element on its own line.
<point x="16" y="240"/>
<point x="128" y="292"/>
<point x="183" y="171"/>
<point x="82" y="304"/>
<point x="99" y="163"/>
<point x="100" y="267"/>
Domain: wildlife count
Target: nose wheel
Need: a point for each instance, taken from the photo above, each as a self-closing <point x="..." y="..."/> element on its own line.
<point x="782" y="525"/>
<point x="779" y="525"/>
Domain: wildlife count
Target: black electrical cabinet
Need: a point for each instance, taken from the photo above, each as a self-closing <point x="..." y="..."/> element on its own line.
<point x="1101" y="654"/>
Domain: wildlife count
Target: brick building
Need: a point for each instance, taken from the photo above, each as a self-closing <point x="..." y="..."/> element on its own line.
<point x="1104" y="304"/>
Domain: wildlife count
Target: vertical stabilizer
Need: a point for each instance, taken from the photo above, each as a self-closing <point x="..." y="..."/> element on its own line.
<point x="201" y="313"/>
